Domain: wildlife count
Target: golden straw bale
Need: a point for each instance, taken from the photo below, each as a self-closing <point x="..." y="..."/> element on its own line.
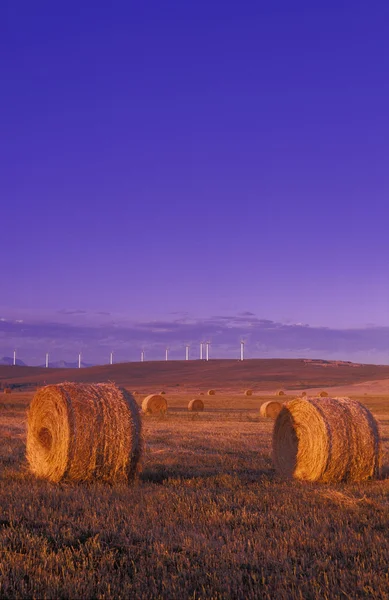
<point x="280" y="393"/>
<point x="154" y="404"/>
<point x="248" y="393"/>
<point x="323" y="394"/>
<point x="326" y="439"/>
<point x="211" y="392"/>
<point x="270" y="409"/>
<point x="81" y="432"/>
<point x="196" y="405"/>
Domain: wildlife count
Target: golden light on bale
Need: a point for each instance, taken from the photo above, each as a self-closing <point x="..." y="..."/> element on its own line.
<point x="211" y="392"/>
<point x="154" y="404"/>
<point x="81" y="432"/>
<point x="196" y="405"/>
<point x="248" y="393"/>
<point x="326" y="439"/>
<point x="323" y="394"/>
<point x="280" y="393"/>
<point x="270" y="409"/>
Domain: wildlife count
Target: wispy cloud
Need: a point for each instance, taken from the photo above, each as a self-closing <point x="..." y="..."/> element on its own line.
<point x="263" y="337"/>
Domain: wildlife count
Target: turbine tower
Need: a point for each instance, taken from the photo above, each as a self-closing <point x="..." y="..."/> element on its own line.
<point x="142" y="356"/>
<point x="111" y="358"/>
<point x="187" y="352"/>
<point x="167" y="353"/>
<point x="201" y="350"/>
<point x="207" y="350"/>
<point x="241" y="350"/>
<point x="79" y="360"/>
<point x="14" y="361"/>
<point x="47" y="360"/>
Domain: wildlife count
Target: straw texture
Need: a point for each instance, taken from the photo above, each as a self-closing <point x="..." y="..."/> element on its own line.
<point x="326" y="439"/>
<point x="82" y="432"/>
<point x="154" y="404"/>
<point x="270" y="409"/>
<point x="196" y="405"/>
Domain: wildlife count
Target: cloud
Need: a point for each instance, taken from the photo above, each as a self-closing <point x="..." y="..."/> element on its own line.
<point x="263" y="338"/>
<point x="77" y="311"/>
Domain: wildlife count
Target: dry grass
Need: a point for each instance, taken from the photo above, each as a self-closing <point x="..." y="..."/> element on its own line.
<point x="154" y="404"/>
<point x="229" y="527"/>
<point x="326" y="439"/>
<point x="82" y="432"/>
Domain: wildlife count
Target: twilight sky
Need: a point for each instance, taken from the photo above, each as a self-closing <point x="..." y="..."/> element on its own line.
<point x="198" y="170"/>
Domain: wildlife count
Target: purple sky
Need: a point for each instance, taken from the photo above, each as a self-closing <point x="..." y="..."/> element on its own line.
<point x="180" y="164"/>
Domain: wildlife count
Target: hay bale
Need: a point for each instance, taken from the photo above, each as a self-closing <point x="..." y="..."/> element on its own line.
<point x="270" y="409"/>
<point x="162" y="393"/>
<point x="323" y="394"/>
<point x="303" y="394"/>
<point x="7" y="391"/>
<point x="280" y="393"/>
<point x="81" y="432"/>
<point x="201" y="393"/>
<point x="248" y="393"/>
<point x="211" y="392"/>
<point x="154" y="404"/>
<point x="196" y="405"/>
<point x="326" y="439"/>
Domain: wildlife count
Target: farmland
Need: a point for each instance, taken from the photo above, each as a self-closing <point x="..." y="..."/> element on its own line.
<point x="208" y="518"/>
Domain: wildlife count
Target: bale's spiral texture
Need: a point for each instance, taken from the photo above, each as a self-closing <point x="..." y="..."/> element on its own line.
<point x="323" y="394"/>
<point x="154" y="404"/>
<point x="211" y="392"/>
<point x="84" y="431"/>
<point x="270" y="409"/>
<point x="326" y="439"/>
<point x="280" y="393"/>
<point x="248" y="393"/>
<point x="196" y="405"/>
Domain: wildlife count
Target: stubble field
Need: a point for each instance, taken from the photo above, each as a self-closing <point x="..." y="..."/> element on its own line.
<point x="208" y="518"/>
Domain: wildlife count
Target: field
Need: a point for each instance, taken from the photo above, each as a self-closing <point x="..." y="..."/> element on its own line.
<point x="208" y="518"/>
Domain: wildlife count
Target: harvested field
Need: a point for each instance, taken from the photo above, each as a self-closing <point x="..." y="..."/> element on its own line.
<point x="229" y="528"/>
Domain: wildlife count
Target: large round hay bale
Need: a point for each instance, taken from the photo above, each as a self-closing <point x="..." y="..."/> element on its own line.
<point x="211" y="392"/>
<point x="323" y="394"/>
<point x="84" y="431"/>
<point x="326" y="439"/>
<point x="154" y="404"/>
<point x="248" y="393"/>
<point x="270" y="409"/>
<point x="280" y="393"/>
<point x="196" y="405"/>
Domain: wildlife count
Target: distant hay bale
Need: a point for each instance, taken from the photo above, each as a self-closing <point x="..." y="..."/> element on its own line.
<point x="201" y="393"/>
<point x="326" y="439"/>
<point x="196" y="405"/>
<point x="270" y="409"/>
<point x="303" y="394"/>
<point x="81" y="432"/>
<point x="211" y="392"/>
<point x="162" y="393"/>
<point x="248" y="393"/>
<point x="7" y="391"/>
<point x="280" y="393"/>
<point x="154" y="404"/>
<point x="323" y="394"/>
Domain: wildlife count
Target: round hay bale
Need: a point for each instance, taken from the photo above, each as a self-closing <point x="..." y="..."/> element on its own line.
<point x="280" y="393"/>
<point x="154" y="404"/>
<point x="248" y="393"/>
<point x="303" y="394"/>
<point x="81" y="432"/>
<point x="270" y="409"/>
<point x="211" y="392"/>
<point x="7" y="391"/>
<point x="201" y="393"/>
<point x="326" y="439"/>
<point x="196" y="405"/>
<point x="162" y="393"/>
<point x="323" y="394"/>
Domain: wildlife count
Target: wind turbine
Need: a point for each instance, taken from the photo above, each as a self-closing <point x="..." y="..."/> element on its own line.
<point x="242" y="349"/>
<point x="167" y="353"/>
<point x="201" y="350"/>
<point x="47" y="360"/>
<point x="207" y="350"/>
<point x="187" y="352"/>
<point x="14" y="361"/>
<point x="142" y="356"/>
<point x="79" y="360"/>
<point x="111" y="358"/>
